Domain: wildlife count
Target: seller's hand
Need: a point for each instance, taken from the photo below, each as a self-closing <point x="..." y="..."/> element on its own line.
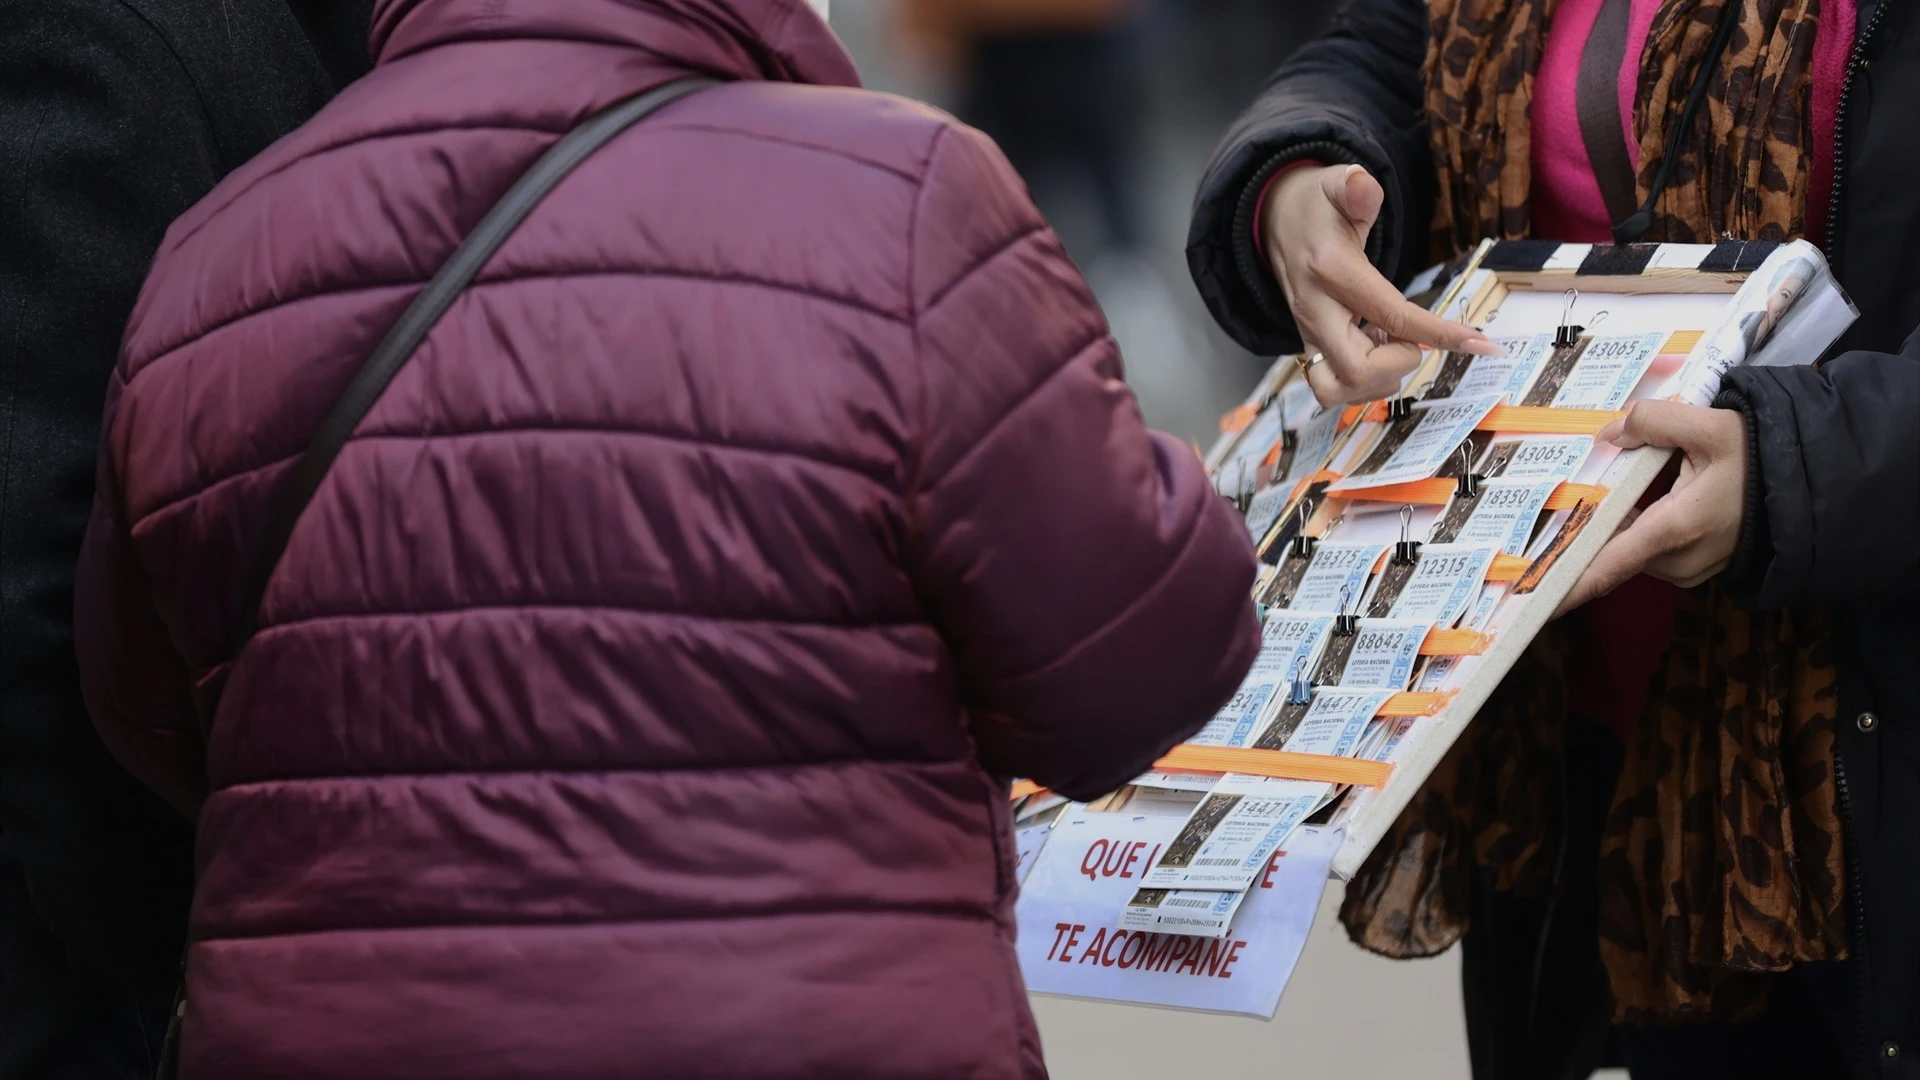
<point x="1315" y="226"/>
<point x="1690" y="534"/>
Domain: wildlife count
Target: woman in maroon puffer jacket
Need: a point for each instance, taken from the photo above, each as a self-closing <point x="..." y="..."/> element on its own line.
<point x="627" y="701"/>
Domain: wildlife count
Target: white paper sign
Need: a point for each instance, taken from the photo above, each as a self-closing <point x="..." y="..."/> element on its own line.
<point x="1384" y="654"/>
<point x="1071" y="942"/>
<point x="1506" y="513"/>
<point x="1548" y="457"/>
<point x="1444" y="582"/>
<point x="1226" y="842"/>
<point x="1338" y="574"/>
<point x="1335" y="721"/>
<point x="1510" y="373"/>
<point x="1608" y="371"/>
<point x="1440" y="428"/>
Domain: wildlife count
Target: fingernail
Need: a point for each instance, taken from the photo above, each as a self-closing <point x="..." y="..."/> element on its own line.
<point x="1480" y="346"/>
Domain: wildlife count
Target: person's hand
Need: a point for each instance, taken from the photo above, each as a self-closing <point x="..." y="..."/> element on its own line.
<point x="1314" y="225"/>
<point x="1690" y="534"/>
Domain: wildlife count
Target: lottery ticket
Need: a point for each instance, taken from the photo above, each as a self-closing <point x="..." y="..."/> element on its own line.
<point x="1336" y="721"/>
<point x="1289" y="643"/>
<point x="1338" y="575"/>
<point x="1316" y="442"/>
<point x="1384" y="654"/>
<point x="1510" y="373"/>
<point x="1608" y="371"/>
<point x="1506" y="513"/>
<point x="1240" y="471"/>
<point x="1182" y="911"/>
<point x="1226" y="842"/>
<point x="1439" y="429"/>
<point x="1445" y="580"/>
<point x="1265" y="509"/>
<point x="1546" y="457"/>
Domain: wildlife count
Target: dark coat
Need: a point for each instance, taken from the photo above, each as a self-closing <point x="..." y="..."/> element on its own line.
<point x="1835" y="514"/>
<point x="627" y="701"/>
<point x="114" y="118"/>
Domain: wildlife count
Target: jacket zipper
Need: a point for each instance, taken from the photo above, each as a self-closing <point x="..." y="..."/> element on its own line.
<point x="1855" y="62"/>
<point x="1856" y="913"/>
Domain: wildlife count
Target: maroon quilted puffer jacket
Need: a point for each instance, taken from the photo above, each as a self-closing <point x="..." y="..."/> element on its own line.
<point x="628" y="700"/>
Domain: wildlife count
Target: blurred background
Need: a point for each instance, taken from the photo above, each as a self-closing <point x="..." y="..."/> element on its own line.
<point x="1109" y="108"/>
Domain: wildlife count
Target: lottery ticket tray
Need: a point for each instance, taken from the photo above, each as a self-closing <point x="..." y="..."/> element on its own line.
<point x="1696" y="295"/>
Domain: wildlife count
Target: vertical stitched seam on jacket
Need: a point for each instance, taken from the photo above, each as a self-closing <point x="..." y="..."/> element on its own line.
<point x="916" y="481"/>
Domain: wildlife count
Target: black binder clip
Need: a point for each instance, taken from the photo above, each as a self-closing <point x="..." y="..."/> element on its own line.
<point x="1344" y="624"/>
<point x="1568" y="334"/>
<point x="1407" y="551"/>
<point x="1399" y="409"/>
<point x="1243" y="491"/>
<point x="1299" y="687"/>
<point x="1470" y="481"/>
<point x="1303" y="544"/>
<point x="1290" y="440"/>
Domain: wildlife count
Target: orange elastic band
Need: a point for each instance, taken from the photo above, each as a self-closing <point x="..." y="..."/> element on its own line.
<point x="1324" y="476"/>
<point x="1437" y="491"/>
<point x="1507" y="568"/>
<point x="1237" y="419"/>
<point x="1540" y="420"/>
<point x="1455" y="643"/>
<point x="1404" y="705"/>
<point x="1521" y="419"/>
<point x="1276" y="763"/>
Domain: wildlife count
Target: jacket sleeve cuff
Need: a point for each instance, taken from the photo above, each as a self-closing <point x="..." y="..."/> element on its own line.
<point x="1223" y="255"/>
<point x="1249" y="257"/>
<point x="1747" y="572"/>
<point x="1266" y="191"/>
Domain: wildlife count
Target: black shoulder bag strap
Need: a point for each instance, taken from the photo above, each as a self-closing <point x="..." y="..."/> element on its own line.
<point x="373" y="378"/>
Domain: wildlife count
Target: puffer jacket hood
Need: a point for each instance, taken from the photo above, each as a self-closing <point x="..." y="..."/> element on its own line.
<point x="774" y="40"/>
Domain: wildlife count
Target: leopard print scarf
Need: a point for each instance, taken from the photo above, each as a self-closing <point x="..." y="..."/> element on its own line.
<point x="1721" y="859"/>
